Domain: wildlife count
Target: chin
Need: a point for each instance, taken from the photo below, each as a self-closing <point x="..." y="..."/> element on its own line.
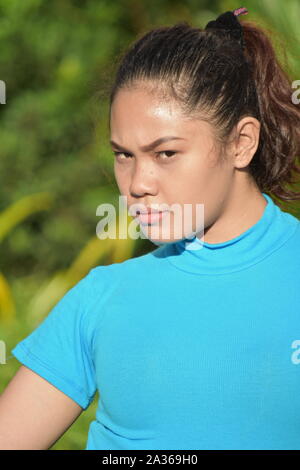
<point x="168" y="240"/>
<point x="161" y="234"/>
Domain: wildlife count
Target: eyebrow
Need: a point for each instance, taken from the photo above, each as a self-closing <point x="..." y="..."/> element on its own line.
<point x="147" y="148"/>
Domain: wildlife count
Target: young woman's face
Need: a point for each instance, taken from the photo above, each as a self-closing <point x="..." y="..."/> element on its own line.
<point x="185" y="170"/>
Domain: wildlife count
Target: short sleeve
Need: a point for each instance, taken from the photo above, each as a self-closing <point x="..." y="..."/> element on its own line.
<point x="60" y="350"/>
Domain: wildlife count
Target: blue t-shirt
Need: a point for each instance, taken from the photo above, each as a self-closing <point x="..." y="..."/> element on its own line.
<point x="189" y="348"/>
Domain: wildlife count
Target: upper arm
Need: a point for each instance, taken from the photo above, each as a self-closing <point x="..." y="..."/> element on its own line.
<point x="34" y="413"/>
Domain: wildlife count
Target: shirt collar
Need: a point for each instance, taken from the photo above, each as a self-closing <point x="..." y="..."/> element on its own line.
<point x="260" y="240"/>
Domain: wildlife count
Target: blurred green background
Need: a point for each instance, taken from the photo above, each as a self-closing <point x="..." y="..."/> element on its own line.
<point x="58" y="60"/>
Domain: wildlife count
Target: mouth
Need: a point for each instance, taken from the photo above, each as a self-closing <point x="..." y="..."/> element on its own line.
<point x="150" y="217"/>
<point x="152" y="211"/>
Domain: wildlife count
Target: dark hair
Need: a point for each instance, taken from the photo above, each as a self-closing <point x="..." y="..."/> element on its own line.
<point x="213" y="79"/>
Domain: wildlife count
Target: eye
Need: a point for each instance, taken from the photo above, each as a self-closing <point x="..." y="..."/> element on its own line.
<point x="117" y="154"/>
<point x="168" y="156"/>
<point x="120" y="153"/>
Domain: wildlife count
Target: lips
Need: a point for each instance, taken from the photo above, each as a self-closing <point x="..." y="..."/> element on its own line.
<point x="142" y="209"/>
<point x="149" y="212"/>
<point x="151" y="217"/>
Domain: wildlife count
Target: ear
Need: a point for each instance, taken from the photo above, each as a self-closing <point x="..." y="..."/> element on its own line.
<point x="246" y="141"/>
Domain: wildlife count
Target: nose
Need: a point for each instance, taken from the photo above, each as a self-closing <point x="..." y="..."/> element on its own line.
<point x="143" y="180"/>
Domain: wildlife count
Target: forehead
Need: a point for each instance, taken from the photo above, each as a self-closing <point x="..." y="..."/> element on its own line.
<point x="149" y="114"/>
<point x="144" y="103"/>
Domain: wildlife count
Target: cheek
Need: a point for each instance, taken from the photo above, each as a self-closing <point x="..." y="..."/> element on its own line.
<point x="193" y="180"/>
<point x="202" y="184"/>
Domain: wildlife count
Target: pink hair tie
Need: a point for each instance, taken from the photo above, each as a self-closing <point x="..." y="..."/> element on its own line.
<point x="240" y="11"/>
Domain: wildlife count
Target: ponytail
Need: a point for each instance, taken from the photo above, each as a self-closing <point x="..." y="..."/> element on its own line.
<point x="275" y="162"/>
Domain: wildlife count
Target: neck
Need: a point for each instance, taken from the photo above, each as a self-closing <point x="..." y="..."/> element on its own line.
<point x="242" y="208"/>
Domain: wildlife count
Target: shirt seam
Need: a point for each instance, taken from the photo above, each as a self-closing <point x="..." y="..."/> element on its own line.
<point x="53" y="370"/>
<point x="86" y="319"/>
<point x="94" y="297"/>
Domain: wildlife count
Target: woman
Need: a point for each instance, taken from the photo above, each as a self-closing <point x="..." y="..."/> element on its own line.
<point x="195" y="344"/>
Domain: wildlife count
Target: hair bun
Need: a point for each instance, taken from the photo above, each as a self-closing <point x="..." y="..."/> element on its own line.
<point x="228" y="21"/>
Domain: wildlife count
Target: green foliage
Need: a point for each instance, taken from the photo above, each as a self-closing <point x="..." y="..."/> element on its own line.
<point x="9" y="218"/>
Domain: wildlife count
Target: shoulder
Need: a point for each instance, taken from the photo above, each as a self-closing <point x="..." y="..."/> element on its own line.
<point x="106" y="285"/>
<point x="113" y="273"/>
<point x="292" y="226"/>
<point x="288" y="227"/>
<point x="105" y="282"/>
